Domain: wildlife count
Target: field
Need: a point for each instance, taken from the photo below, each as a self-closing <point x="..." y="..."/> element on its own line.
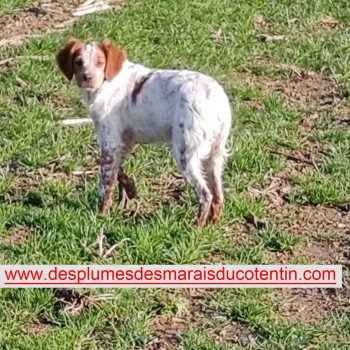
<point x="286" y="67"/>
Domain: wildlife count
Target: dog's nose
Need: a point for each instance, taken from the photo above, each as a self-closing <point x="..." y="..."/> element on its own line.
<point x="87" y="76"/>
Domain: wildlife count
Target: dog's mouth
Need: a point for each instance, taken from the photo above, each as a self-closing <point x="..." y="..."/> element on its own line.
<point x="87" y="86"/>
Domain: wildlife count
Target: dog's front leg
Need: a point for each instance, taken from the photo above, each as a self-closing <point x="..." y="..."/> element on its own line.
<point x="110" y="162"/>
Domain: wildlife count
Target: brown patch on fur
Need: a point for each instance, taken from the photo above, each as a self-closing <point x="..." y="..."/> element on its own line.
<point x="206" y="89"/>
<point x="100" y="57"/>
<point x="138" y="87"/>
<point x="66" y="55"/>
<point x="106" y="158"/>
<point x="114" y="59"/>
<point x="127" y="188"/>
<point x="203" y="214"/>
<point x="128" y="138"/>
<point x="107" y="200"/>
<point x="215" y="211"/>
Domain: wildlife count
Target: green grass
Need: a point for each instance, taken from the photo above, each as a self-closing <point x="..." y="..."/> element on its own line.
<point x="12" y="5"/>
<point x="61" y="210"/>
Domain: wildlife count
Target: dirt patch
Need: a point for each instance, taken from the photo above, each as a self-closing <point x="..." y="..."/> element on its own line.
<point x="7" y="64"/>
<point x="25" y="183"/>
<point x="309" y="305"/>
<point x="36" y="327"/>
<point x="299" y="159"/>
<point x="325" y="232"/>
<point x="313" y="221"/>
<point x="275" y="188"/>
<point x="166" y="190"/>
<point x="45" y="17"/>
<point x="322" y="233"/>
<point x="55" y="100"/>
<point x="345" y="114"/>
<point x="315" y="96"/>
<point x="167" y="329"/>
<point x="19" y="235"/>
<point x="36" y="18"/>
<point x="317" y="251"/>
<point x="199" y="302"/>
<point x="72" y="302"/>
<point x="302" y="90"/>
<point x="103" y="338"/>
<point x="261" y="23"/>
<point x="168" y="187"/>
<point x="318" y="99"/>
<point x="235" y="333"/>
<point x="237" y="233"/>
<point x="329" y="23"/>
<point x="322" y="230"/>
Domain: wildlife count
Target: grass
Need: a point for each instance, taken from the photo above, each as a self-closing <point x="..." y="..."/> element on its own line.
<point x="60" y="211"/>
<point x="12" y="5"/>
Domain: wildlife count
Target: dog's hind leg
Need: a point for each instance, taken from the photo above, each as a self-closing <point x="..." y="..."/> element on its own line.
<point x="194" y="177"/>
<point x="190" y="167"/>
<point x="213" y="168"/>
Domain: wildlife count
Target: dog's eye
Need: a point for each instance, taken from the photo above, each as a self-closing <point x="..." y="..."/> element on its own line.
<point x="99" y="63"/>
<point x="79" y="63"/>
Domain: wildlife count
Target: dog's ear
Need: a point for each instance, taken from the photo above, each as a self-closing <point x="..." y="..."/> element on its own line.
<point x="65" y="57"/>
<point x="114" y="59"/>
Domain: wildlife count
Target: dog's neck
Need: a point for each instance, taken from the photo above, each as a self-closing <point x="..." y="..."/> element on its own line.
<point x="89" y="96"/>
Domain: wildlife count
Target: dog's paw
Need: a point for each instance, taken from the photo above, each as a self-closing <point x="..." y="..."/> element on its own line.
<point x="105" y="204"/>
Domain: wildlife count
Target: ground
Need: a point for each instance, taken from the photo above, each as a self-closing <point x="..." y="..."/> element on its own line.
<point x="285" y="66"/>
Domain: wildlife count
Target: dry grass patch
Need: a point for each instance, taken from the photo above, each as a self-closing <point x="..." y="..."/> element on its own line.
<point x="19" y="235"/>
<point x="309" y="305"/>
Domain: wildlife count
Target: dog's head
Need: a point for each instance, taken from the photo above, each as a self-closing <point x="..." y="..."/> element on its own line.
<point x="90" y="63"/>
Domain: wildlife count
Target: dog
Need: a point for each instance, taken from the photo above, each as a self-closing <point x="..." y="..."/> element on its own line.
<point x="131" y="104"/>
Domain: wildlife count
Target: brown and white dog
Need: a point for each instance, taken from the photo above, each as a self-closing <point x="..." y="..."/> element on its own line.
<point x="131" y="104"/>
